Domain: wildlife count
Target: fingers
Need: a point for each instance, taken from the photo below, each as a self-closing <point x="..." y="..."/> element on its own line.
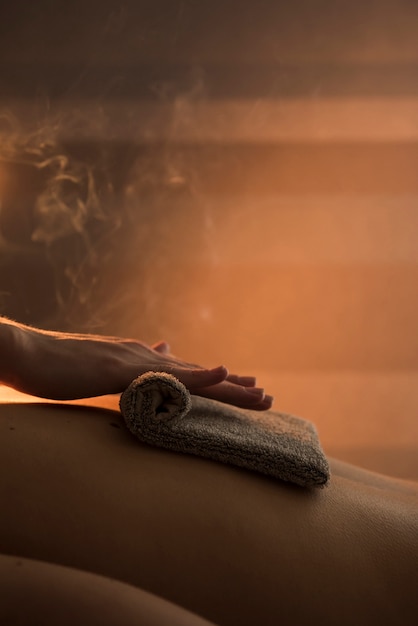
<point x="243" y="402"/>
<point x="164" y="348"/>
<point x="245" y="381"/>
<point x="247" y="398"/>
<point x="196" y="378"/>
<point x="264" y="405"/>
<point x="216" y="383"/>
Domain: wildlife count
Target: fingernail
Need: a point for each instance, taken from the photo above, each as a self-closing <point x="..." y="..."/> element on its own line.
<point x="220" y="368"/>
<point x="247" y="380"/>
<point x="255" y="391"/>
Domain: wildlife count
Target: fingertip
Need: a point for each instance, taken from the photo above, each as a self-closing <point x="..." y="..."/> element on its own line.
<point x="221" y="370"/>
<point x="266" y="403"/>
<point x="256" y="392"/>
<point x="244" y="381"/>
<point x="209" y="377"/>
<point x="248" y="381"/>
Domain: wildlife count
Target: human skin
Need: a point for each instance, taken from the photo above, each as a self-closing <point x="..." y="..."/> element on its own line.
<point x="53" y="594"/>
<point x="230" y="545"/>
<point x="66" y="366"/>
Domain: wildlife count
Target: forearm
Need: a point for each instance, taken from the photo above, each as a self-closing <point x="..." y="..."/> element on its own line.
<point x="10" y="334"/>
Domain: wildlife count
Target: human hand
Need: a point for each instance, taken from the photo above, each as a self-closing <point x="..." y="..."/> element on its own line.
<point x="66" y="366"/>
<point x="233" y="389"/>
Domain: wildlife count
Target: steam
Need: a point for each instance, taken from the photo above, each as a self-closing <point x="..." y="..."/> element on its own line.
<point x="116" y="242"/>
<point x="174" y="232"/>
<point x="64" y="214"/>
<point x="69" y="194"/>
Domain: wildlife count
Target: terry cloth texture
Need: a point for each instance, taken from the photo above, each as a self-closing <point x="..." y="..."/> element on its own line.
<point x="159" y="410"/>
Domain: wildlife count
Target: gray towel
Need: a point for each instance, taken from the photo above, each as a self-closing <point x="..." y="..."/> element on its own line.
<point x="159" y="410"/>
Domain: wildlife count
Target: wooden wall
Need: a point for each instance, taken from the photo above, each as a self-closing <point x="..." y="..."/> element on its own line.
<point x="266" y="155"/>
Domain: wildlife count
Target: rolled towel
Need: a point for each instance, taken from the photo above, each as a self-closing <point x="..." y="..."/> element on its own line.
<point x="159" y="410"/>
